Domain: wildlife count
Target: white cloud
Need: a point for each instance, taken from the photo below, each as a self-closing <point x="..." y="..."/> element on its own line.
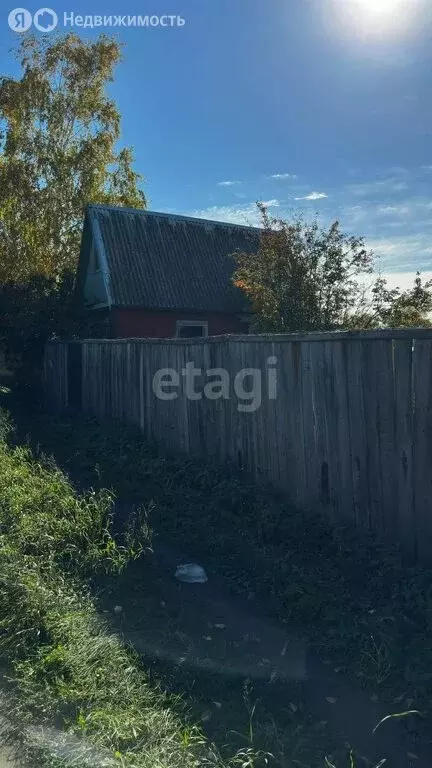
<point x="283" y="176"/>
<point x="403" y="253"/>
<point x="313" y="196"/>
<point x="228" y="183"/>
<point x="398" y="170"/>
<point x="372" y="213"/>
<point x="379" y="186"/>
<point x="354" y="214"/>
<point x="271" y="203"/>
<point x="404" y="280"/>
<point x="247" y="214"/>
<point x="394" y="210"/>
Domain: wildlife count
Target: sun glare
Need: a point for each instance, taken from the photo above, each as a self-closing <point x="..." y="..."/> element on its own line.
<point x="379" y="16"/>
<point x="379" y="7"/>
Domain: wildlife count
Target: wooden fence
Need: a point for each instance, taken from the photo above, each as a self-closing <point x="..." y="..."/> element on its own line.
<point x="349" y="431"/>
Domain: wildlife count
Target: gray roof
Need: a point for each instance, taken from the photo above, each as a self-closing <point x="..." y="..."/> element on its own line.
<point x="165" y="261"/>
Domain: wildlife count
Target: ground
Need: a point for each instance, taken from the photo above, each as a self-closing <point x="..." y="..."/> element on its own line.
<point x="298" y="646"/>
<point x="228" y="655"/>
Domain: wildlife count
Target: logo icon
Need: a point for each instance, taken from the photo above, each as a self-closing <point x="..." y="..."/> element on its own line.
<point x="45" y="20"/>
<point x="20" y="20"/>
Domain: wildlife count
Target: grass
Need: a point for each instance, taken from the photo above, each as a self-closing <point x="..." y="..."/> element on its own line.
<point x="366" y="612"/>
<point x="367" y="615"/>
<point x="77" y="696"/>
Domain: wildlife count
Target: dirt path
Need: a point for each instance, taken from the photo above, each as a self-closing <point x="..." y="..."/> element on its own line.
<point x="213" y="639"/>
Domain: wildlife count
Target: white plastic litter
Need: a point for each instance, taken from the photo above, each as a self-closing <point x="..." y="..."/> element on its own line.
<point x="191" y="573"/>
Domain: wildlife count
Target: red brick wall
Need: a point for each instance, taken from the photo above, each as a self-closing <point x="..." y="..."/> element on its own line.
<point x="140" y="323"/>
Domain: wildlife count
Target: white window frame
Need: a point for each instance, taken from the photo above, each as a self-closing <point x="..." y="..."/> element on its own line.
<point x="192" y="323"/>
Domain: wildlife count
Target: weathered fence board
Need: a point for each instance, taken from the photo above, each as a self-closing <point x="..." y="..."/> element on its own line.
<point x="349" y="432"/>
<point x="55" y="373"/>
<point x="404" y="412"/>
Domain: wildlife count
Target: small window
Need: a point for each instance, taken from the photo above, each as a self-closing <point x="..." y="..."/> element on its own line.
<point x="191" y="329"/>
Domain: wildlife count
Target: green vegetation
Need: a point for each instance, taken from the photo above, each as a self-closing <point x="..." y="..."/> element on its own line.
<point x="365" y="611"/>
<point x="58" y="152"/>
<point x="91" y="695"/>
<point x="77" y="696"/>
<point x="306" y="277"/>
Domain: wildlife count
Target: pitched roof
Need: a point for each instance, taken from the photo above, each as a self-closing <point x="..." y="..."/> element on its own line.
<point x="165" y="261"/>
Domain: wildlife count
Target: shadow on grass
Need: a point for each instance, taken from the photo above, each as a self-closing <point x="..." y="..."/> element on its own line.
<point x="366" y="615"/>
<point x="229" y="673"/>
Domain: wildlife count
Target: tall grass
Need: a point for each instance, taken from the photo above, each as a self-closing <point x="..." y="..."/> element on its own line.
<point x="76" y="695"/>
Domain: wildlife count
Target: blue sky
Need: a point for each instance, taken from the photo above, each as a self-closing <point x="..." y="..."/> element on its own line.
<point x="319" y="105"/>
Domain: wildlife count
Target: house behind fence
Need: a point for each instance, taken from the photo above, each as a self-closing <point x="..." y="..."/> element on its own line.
<point x="147" y="274"/>
<point x="342" y="422"/>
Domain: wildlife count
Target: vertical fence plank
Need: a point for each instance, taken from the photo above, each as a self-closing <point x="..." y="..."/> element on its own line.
<point x="371" y="363"/>
<point x="386" y="429"/>
<point x="308" y="412"/>
<point x="339" y="434"/>
<point x="404" y="413"/>
<point x="323" y="481"/>
<point x="291" y="388"/>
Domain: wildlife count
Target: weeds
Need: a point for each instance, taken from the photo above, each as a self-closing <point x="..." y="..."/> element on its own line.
<point x="397" y="716"/>
<point x="376" y="660"/>
<point x="77" y="695"/>
<point x="352" y="762"/>
<point x="366" y="614"/>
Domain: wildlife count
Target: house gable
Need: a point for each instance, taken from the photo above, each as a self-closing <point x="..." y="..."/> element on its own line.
<point x="92" y="285"/>
<point x="95" y="293"/>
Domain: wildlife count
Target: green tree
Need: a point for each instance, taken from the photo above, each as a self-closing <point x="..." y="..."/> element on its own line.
<point x="304" y="277"/>
<point x="58" y="152"/>
<point x="30" y="312"/>
<point x="395" y="308"/>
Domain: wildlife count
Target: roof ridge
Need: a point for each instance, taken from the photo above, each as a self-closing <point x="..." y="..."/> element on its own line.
<point x="180" y="217"/>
